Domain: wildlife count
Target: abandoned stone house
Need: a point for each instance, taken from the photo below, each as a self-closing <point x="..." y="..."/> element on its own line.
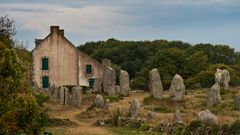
<point x="56" y="61"/>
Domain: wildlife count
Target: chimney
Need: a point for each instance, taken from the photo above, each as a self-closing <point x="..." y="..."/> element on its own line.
<point x="38" y="41"/>
<point x="61" y="32"/>
<point x="54" y="29"/>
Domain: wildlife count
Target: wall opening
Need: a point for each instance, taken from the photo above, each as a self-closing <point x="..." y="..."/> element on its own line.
<point x="45" y="82"/>
<point x="44" y="63"/>
<point x="90" y="83"/>
<point x="88" y="69"/>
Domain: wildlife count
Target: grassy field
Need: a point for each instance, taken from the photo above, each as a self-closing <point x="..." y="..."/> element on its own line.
<point x="194" y="102"/>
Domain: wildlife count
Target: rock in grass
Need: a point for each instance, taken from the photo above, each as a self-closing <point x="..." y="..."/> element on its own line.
<point x="109" y="81"/>
<point x="177" y="88"/>
<point x="214" y="96"/>
<point x="97" y="85"/>
<point x="155" y="84"/>
<point x="124" y="83"/>
<point x="152" y="115"/>
<point x="134" y="108"/>
<point x="61" y="95"/>
<point x="207" y="117"/>
<point x="67" y="96"/>
<point x="176" y="117"/>
<point x="99" y="101"/>
<point x="76" y="96"/>
<point x="222" y="77"/>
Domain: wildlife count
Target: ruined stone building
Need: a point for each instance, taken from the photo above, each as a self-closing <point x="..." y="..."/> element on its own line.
<point x="56" y="61"/>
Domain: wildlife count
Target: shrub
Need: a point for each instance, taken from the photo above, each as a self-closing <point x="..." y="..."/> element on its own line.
<point x="235" y="128"/>
<point x="225" y="129"/>
<point x="195" y="127"/>
<point x="41" y="97"/>
<point x="115" y="116"/>
<point x="144" y="127"/>
<point x="214" y="130"/>
<point x="207" y="78"/>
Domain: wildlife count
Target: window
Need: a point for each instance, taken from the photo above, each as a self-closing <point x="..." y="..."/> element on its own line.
<point x="89" y="69"/>
<point x="91" y="82"/>
<point x="45" y="82"/>
<point x="44" y="63"/>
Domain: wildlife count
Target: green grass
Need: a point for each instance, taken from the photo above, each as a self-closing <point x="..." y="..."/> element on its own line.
<point x="165" y="105"/>
<point x="113" y="99"/>
<point x="150" y="100"/>
<point x="164" y="109"/>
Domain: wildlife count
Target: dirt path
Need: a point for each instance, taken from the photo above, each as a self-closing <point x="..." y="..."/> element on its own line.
<point x="84" y="127"/>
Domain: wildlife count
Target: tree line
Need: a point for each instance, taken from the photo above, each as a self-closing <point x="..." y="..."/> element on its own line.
<point x="195" y="63"/>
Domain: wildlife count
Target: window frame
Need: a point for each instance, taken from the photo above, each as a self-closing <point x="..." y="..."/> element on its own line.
<point x="89" y="69"/>
<point x="45" y="63"/>
<point x="43" y="82"/>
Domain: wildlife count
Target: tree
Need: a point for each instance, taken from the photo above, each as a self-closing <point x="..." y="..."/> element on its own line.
<point x="195" y="63"/>
<point x="19" y="109"/>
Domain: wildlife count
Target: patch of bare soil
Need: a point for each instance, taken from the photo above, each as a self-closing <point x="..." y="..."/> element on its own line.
<point x="69" y="115"/>
<point x="66" y="119"/>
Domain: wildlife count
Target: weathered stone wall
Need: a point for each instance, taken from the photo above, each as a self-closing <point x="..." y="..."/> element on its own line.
<point x="97" y="69"/>
<point x="67" y="65"/>
<point x="62" y="57"/>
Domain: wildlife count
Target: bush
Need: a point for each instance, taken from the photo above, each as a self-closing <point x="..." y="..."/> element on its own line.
<point x="41" y="97"/>
<point x="195" y="127"/>
<point x="115" y="116"/>
<point x="225" y="129"/>
<point x="235" y="128"/>
<point x="207" y="78"/>
<point x="144" y="127"/>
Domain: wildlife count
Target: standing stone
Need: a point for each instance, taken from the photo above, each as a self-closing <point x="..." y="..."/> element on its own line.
<point x="237" y="102"/>
<point x="176" y="117"/>
<point x="124" y="83"/>
<point x="155" y="84"/>
<point x="177" y="88"/>
<point x="152" y="115"/>
<point x="61" y="95"/>
<point x="107" y="62"/>
<point x="99" y="102"/>
<point x="97" y="85"/>
<point x="76" y="96"/>
<point x="207" y="117"/>
<point x="67" y="96"/>
<point x="106" y="104"/>
<point x="53" y="93"/>
<point x="226" y="79"/>
<point x="109" y="81"/>
<point x="134" y="108"/>
<point x="222" y="77"/>
<point x="218" y="76"/>
<point x="214" y="96"/>
<point x="117" y="90"/>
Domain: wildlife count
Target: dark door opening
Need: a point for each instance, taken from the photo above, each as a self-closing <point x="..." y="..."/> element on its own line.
<point x="45" y="82"/>
<point x="91" y="82"/>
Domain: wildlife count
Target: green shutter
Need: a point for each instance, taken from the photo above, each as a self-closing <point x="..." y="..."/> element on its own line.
<point x="45" y="82"/>
<point x="44" y="63"/>
<point x="91" y="82"/>
<point x="89" y="69"/>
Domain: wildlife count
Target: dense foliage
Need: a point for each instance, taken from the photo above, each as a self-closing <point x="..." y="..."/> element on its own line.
<point x="192" y="62"/>
<point x="20" y="112"/>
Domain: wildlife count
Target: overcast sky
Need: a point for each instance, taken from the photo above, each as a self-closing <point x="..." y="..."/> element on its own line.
<point x="192" y="21"/>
